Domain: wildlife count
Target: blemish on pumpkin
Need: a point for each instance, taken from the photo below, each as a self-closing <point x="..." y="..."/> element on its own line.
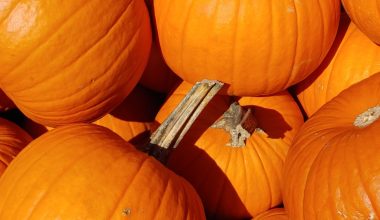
<point x="127" y="211"/>
<point x="368" y="117"/>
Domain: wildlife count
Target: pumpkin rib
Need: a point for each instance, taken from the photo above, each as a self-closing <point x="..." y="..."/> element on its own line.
<point x="187" y="16"/>
<point x="234" y="43"/>
<point x="46" y="39"/>
<point x="52" y="185"/>
<point x="127" y="185"/>
<point x="245" y="196"/>
<point x="164" y="194"/>
<point x="82" y="91"/>
<point x="290" y="76"/>
<point x="365" y="186"/>
<point x="81" y="55"/>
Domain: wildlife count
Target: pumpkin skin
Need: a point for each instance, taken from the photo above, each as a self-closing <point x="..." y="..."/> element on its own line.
<point x="235" y="182"/>
<point x="12" y="140"/>
<point x="132" y="119"/>
<point x="353" y="58"/>
<point x="332" y="169"/>
<point x="273" y="214"/>
<point x="5" y="102"/>
<point x="256" y="47"/>
<point x="61" y="64"/>
<point x="85" y="171"/>
<point x="366" y="15"/>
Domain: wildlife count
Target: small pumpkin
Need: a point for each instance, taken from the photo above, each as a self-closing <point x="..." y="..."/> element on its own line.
<point x="366" y="15"/>
<point x="332" y="169"/>
<point x="235" y="182"/>
<point x="85" y="171"/>
<point x="12" y="140"/>
<point x="273" y="214"/>
<point x="71" y="61"/>
<point x="256" y="47"/>
<point x="354" y="57"/>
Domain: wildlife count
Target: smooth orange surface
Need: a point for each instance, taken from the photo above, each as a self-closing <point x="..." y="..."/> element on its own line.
<point x="273" y="214"/>
<point x="332" y="170"/>
<point x="366" y="15"/>
<point x="258" y="47"/>
<point x="85" y="171"/>
<point x="353" y="58"/>
<point x="71" y="61"/>
<point x="12" y="140"/>
<point x="236" y="182"/>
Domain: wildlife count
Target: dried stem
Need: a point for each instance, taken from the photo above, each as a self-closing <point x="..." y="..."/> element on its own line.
<point x="239" y="122"/>
<point x="173" y="129"/>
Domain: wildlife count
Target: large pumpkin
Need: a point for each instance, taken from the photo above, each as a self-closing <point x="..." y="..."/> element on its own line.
<point x="332" y="170"/>
<point x="235" y="182"/>
<point x="85" y="171"/>
<point x="70" y="61"/>
<point x="354" y="57"/>
<point x="366" y="15"/>
<point x="12" y="140"/>
<point x="257" y="47"/>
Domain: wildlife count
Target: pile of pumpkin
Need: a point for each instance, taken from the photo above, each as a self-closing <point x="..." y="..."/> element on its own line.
<point x="292" y="134"/>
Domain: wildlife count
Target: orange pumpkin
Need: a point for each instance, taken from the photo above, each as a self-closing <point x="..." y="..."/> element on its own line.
<point x="5" y="102"/>
<point x="273" y="214"/>
<point x="366" y="15"/>
<point x="12" y="140"/>
<point x="235" y="182"/>
<point x="71" y="61"/>
<point x="257" y="47"/>
<point x="354" y="57"/>
<point x="132" y="119"/>
<point x="85" y="171"/>
<point x="157" y="75"/>
<point x="332" y="170"/>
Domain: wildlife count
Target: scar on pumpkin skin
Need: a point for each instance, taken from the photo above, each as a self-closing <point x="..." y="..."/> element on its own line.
<point x="239" y="122"/>
<point x="368" y="117"/>
<point x="172" y="130"/>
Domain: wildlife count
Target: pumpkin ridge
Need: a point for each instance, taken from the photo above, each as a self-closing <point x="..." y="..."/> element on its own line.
<point x="365" y="186"/>
<point x="45" y="39"/>
<point x="187" y="16"/>
<point x="49" y="188"/>
<point x="163" y="196"/>
<point x="128" y="184"/>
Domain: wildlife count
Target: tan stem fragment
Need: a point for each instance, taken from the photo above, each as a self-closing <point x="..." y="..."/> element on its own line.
<point x="239" y="122"/>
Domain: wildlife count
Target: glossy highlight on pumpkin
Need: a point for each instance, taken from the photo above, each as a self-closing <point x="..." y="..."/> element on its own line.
<point x="71" y="61"/>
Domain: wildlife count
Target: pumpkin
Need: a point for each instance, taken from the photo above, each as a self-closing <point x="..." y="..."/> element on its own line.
<point x="273" y="214"/>
<point x="255" y="47"/>
<point x="71" y="61"/>
<point x="132" y="119"/>
<point x="366" y="15"/>
<point x="332" y="169"/>
<point x="85" y="171"/>
<point x="12" y="140"/>
<point x="235" y="182"/>
<point x="353" y="58"/>
<point x="5" y="102"/>
<point x="157" y="75"/>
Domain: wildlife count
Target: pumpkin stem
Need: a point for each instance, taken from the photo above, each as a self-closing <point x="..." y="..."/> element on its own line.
<point x="239" y="122"/>
<point x="171" y="131"/>
<point x="368" y="117"/>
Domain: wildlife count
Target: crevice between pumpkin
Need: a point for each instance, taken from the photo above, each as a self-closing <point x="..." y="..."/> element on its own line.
<point x="172" y="130"/>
